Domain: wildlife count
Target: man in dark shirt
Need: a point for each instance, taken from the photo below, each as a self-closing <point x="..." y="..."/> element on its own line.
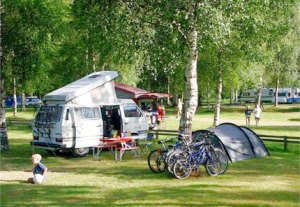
<point x="248" y="112"/>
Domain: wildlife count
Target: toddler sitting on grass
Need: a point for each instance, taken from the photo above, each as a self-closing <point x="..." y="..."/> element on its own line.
<point x="39" y="170"/>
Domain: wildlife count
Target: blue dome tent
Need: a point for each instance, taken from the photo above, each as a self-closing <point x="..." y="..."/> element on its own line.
<point x="240" y="143"/>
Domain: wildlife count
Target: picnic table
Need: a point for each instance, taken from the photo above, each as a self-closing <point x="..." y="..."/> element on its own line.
<point x="117" y="144"/>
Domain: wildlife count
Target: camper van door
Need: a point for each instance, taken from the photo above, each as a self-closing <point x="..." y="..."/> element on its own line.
<point x="134" y="121"/>
<point x="89" y="126"/>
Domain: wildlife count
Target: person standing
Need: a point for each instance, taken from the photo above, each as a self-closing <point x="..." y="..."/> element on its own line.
<point x="257" y="114"/>
<point x="248" y="112"/>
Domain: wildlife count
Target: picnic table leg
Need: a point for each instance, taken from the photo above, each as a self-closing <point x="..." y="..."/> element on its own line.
<point x="116" y="153"/>
<point x="94" y="156"/>
<point x="96" y="152"/>
<point x="121" y="154"/>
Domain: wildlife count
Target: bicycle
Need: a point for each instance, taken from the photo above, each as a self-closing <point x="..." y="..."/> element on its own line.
<point x="202" y="152"/>
<point x="157" y="157"/>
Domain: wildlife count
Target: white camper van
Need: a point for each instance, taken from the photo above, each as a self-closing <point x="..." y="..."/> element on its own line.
<point x="76" y="116"/>
<point x="288" y="95"/>
<point x="250" y="95"/>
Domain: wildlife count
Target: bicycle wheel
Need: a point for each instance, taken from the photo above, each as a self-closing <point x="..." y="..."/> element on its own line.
<point x="217" y="164"/>
<point x="172" y="159"/>
<point x="156" y="161"/>
<point x="182" y="169"/>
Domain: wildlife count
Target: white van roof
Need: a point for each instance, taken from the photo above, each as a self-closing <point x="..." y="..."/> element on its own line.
<point x="81" y="86"/>
<point x="126" y="101"/>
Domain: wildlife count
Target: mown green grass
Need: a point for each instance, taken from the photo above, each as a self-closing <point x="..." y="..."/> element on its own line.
<point x="268" y="181"/>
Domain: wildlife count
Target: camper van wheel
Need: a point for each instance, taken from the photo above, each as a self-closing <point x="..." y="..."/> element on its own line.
<point x="80" y="152"/>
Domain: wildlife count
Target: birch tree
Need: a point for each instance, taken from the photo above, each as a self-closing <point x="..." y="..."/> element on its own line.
<point x="3" y="128"/>
<point x="184" y="23"/>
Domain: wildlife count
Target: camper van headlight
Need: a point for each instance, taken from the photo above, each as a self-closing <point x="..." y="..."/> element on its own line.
<point x="58" y="139"/>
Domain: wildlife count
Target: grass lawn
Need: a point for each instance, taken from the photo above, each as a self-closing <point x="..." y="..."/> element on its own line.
<point x="268" y="181"/>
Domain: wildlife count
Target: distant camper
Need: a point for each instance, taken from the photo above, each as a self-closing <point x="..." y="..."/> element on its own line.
<point x="285" y="95"/>
<point x="76" y="116"/>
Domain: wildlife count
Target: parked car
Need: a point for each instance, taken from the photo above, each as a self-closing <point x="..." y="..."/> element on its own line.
<point x="33" y="101"/>
<point x="9" y="101"/>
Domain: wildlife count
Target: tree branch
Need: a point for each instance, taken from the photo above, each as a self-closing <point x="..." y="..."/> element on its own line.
<point x="178" y="26"/>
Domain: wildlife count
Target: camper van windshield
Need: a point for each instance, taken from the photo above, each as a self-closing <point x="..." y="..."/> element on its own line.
<point x="48" y="114"/>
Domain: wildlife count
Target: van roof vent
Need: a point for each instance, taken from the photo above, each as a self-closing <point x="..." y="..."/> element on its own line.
<point x="95" y="76"/>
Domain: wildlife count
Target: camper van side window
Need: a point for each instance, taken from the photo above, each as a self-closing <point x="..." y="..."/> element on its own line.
<point x="87" y="112"/>
<point x="132" y="111"/>
<point x="281" y="94"/>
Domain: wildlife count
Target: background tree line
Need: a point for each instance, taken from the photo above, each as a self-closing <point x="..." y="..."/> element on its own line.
<point x="203" y="49"/>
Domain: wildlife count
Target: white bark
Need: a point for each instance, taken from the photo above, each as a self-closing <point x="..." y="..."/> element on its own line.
<point x="15" y="105"/>
<point x="218" y="100"/>
<point x="94" y="60"/>
<point x="259" y="91"/>
<point x="87" y="59"/>
<point x="168" y="88"/>
<point x="208" y="97"/>
<point x="191" y="90"/>
<point x="3" y="128"/>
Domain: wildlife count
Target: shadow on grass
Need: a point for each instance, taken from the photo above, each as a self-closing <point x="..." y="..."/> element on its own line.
<point x="24" y="128"/>
<point x="295" y="119"/>
<point x="18" y="119"/>
<point x="282" y="110"/>
<point x="180" y="195"/>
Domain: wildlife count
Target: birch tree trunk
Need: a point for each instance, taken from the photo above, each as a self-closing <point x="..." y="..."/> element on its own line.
<point x="259" y="91"/>
<point x="236" y="96"/>
<point x="3" y="128"/>
<point x="231" y="96"/>
<point x="219" y="90"/>
<point x="3" y="131"/>
<point x="94" y="59"/>
<point x="218" y="100"/>
<point x="87" y="60"/>
<point x="208" y="97"/>
<point x="23" y="106"/>
<point x="168" y="88"/>
<point x="276" y="92"/>
<point x="191" y="89"/>
<point x="15" y="104"/>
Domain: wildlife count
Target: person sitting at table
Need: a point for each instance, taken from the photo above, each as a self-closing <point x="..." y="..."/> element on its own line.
<point x="116" y="119"/>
